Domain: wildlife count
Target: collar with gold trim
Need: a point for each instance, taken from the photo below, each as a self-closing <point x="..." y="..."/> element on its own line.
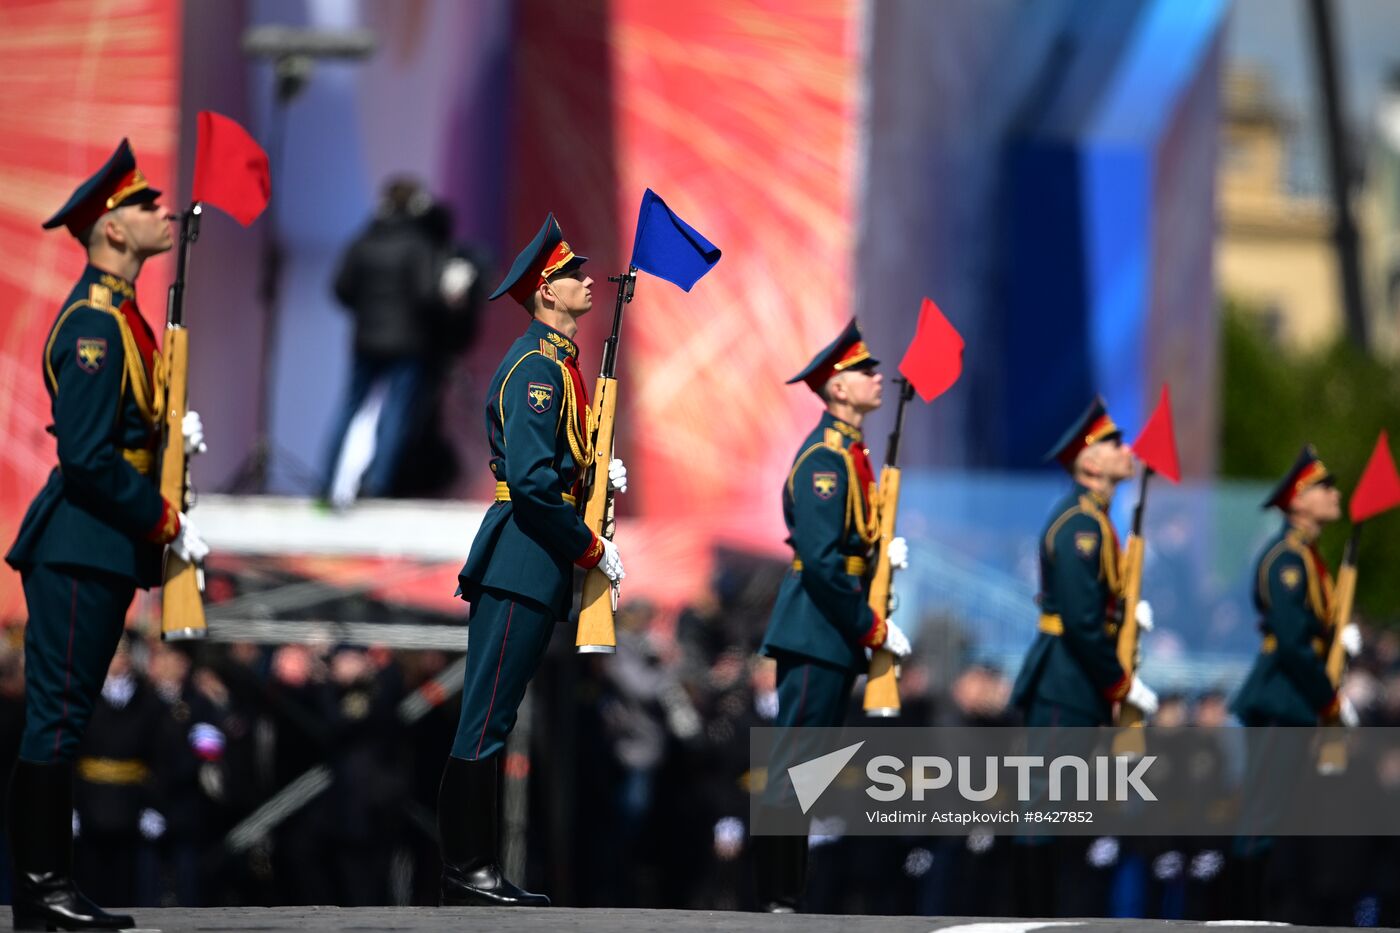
<point x="845" y="429"/>
<point x="117" y="284"/>
<point x="545" y="332"/>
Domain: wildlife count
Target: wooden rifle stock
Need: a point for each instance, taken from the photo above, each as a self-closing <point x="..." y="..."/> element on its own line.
<point x="881" y="683"/>
<point x="181" y="598"/>
<point x="1332" y="755"/>
<point x="597" y="633"/>
<point x="1131" y="741"/>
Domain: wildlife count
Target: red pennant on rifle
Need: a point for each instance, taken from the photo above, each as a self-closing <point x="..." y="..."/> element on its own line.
<point x="933" y="361"/>
<point x="230" y="169"/>
<point x="1156" y="445"/>
<point x="1379" y="488"/>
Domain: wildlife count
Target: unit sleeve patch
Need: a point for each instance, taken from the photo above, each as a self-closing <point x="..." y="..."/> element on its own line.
<point x="824" y="484"/>
<point x="540" y="396"/>
<point x="1086" y="544"/>
<point x="1290" y="577"/>
<point x="92" y="353"/>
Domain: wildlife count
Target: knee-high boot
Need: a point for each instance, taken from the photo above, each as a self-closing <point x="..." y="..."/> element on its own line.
<point x="41" y="841"/>
<point x="469" y="831"/>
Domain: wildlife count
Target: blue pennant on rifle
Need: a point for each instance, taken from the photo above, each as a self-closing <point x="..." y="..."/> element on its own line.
<point x="668" y="247"/>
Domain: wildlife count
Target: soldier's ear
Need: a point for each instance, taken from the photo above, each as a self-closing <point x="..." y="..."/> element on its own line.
<point x="111" y="230"/>
<point x="546" y="292"/>
<point x="1088" y="462"/>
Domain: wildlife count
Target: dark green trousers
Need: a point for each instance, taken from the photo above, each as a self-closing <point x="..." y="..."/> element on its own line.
<point x="506" y="639"/>
<point x="76" y="617"/>
<point x="812" y="694"/>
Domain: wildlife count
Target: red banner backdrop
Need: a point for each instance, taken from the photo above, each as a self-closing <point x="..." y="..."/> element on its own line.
<point x="78" y="76"/>
<point x="741" y="114"/>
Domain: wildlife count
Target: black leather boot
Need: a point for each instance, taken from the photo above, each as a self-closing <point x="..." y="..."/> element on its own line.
<point x="780" y="872"/>
<point x="41" y="841"/>
<point x="469" y="831"/>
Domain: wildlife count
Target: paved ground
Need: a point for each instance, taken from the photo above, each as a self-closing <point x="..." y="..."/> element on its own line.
<point x="561" y="920"/>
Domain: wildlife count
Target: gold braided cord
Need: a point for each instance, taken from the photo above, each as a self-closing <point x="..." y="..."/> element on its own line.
<point x="580" y="447"/>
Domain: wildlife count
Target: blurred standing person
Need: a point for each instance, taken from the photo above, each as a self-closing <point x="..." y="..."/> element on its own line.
<point x="519" y="574"/>
<point x="1071" y="676"/>
<point x="429" y="463"/>
<point x="190" y="773"/>
<point x="1288" y="684"/>
<point x="115" y="804"/>
<point x="95" y="532"/>
<point x="394" y="280"/>
<point x="821" y="623"/>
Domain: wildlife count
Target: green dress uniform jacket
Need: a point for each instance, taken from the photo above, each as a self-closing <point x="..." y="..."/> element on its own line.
<point x="829" y="505"/>
<point x="101" y="507"/>
<point x="1288" y="684"/>
<point x="1073" y="662"/>
<point x="538" y="425"/>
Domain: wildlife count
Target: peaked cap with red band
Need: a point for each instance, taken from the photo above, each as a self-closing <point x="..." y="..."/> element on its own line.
<point x="116" y="184"/>
<point x="1089" y="428"/>
<point x="1307" y="471"/>
<point x="546" y="255"/>
<point x="847" y="351"/>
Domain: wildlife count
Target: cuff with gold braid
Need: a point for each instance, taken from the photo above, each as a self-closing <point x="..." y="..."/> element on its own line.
<point x="1119" y="691"/>
<point x="878" y="630"/>
<point x="589" y="559"/>
<point x="168" y="527"/>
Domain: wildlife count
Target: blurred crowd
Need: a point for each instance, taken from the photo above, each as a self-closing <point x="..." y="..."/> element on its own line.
<point x="246" y="774"/>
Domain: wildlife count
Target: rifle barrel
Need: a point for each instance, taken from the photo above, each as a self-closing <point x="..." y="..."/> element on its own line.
<point x="626" y="284"/>
<point x="906" y="392"/>
<point x="189" y="233"/>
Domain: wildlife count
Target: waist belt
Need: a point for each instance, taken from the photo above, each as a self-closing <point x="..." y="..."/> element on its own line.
<point x="503" y="494"/>
<point x="1270" y="645"/>
<point x="140" y="458"/>
<point x="113" y="770"/>
<point x="855" y="566"/>
<point x="1051" y="625"/>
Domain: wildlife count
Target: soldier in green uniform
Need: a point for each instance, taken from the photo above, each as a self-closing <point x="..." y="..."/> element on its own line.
<point x="1288" y="684"/>
<point x="822" y="623"/>
<point x="519" y="574"/>
<point x="97" y="529"/>
<point x="1071" y="676"/>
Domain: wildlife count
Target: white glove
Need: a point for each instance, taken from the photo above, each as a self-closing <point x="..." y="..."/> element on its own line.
<point x="152" y="824"/>
<point x="192" y="427"/>
<point x="898" y="552"/>
<point x="896" y="642"/>
<point x="1351" y="639"/>
<point x="1143" y="614"/>
<point x="456" y="280"/>
<point x="1346" y="712"/>
<point x="188" y="545"/>
<point x="611" y="564"/>
<point x="617" y="476"/>
<point x="1142" y="696"/>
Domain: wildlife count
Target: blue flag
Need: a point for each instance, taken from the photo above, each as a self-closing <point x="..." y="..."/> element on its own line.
<point x="668" y="247"/>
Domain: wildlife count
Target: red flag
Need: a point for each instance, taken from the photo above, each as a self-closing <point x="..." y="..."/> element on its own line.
<point x="1156" y="445"/>
<point x="1379" y="488"/>
<point x="230" y="168"/>
<point x="933" y="361"/>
